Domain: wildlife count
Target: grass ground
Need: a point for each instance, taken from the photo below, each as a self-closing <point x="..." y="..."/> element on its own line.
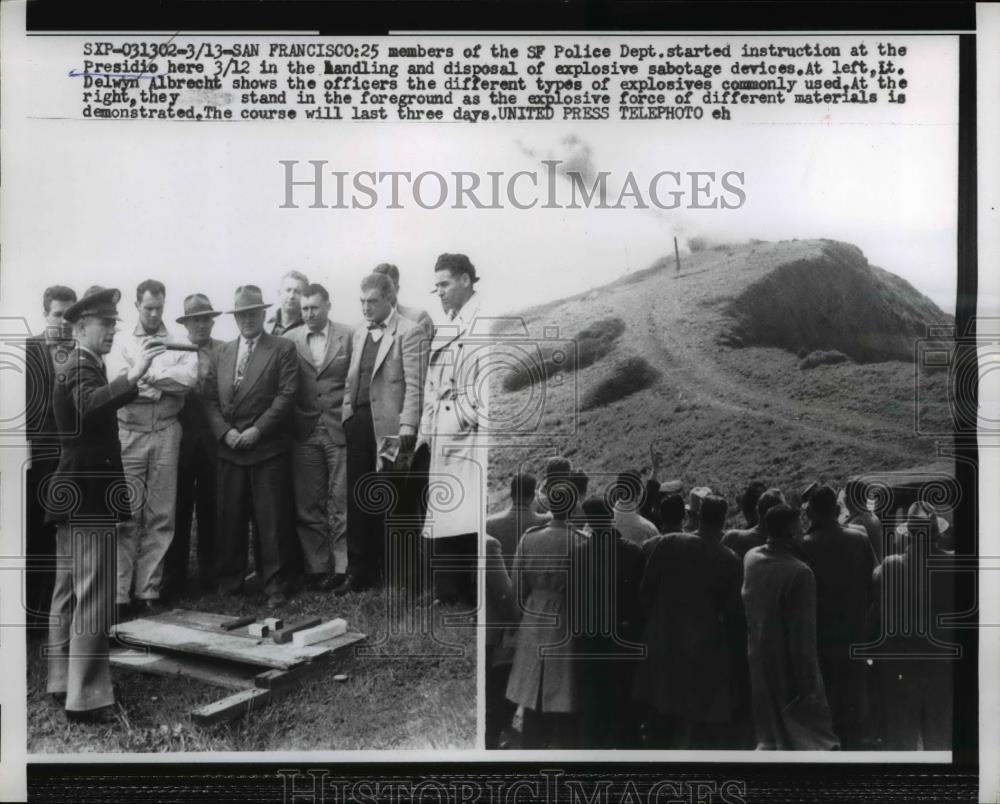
<point x="417" y="691"/>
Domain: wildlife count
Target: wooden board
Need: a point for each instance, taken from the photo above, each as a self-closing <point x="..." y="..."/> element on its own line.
<point x="220" y="674"/>
<point x="235" y="706"/>
<point x="154" y="633"/>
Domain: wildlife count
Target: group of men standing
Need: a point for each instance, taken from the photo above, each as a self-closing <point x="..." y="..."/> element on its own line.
<point x="287" y="438"/>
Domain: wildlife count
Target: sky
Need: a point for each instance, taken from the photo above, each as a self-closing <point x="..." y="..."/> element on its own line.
<point x="198" y="205"/>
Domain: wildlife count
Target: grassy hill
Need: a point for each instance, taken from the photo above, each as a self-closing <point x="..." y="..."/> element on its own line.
<point x="787" y="362"/>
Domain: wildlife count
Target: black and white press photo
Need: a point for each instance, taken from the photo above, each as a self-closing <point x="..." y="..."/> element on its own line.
<point x="538" y="399"/>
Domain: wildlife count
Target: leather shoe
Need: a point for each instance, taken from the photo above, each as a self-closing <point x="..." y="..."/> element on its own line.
<point x="59" y="697"/>
<point x="277" y="600"/>
<point x="352" y="584"/>
<point x="103" y="715"/>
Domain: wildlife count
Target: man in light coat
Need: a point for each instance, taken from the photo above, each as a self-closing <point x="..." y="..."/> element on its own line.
<point x="453" y="428"/>
<point x="380" y="417"/>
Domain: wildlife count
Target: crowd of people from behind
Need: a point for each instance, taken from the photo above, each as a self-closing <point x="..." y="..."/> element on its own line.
<point x="278" y="444"/>
<point x="634" y="618"/>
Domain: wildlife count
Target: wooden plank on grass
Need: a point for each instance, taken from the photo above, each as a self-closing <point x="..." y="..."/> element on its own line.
<point x="218" y="674"/>
<point x="161" y="635"/>
<point x="233" y="707"/>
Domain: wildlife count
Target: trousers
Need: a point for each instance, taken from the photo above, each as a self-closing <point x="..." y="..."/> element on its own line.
<point x="150" y="464"/>
<point x="82" y="607"/>
<point x="319" y="469"/>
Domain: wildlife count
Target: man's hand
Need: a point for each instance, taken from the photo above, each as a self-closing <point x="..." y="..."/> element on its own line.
<point x="407" y="438"/>
<point x="655" y="459"/>
<point x="249" y="438"/>
<point x="150" y="350"/>
<point x="232" y="438"/>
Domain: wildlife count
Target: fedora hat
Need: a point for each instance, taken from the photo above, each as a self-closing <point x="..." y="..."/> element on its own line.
<point x="248" y="297"/>
<point x="197" y="305"/>
<point x="97" y="301"/>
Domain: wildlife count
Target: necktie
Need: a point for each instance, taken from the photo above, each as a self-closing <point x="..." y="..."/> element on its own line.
<point x="375" y="325"/>
<point x="241" y="367"/>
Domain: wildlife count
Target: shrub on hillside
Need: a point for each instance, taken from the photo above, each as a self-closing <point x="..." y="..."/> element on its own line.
<point x="627" y="377"/>
<point x="589" y="345"/>
<point x="823" y="358"/>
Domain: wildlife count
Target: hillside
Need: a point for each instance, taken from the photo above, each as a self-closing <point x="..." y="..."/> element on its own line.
<point x="786" y="362"/>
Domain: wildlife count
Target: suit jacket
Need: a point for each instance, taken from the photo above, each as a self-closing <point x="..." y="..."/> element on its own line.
<point x="39" y="381"/>
<point x="89" y="483"/>
<point x="321" y="391"/>
<point x="420" y="317"/>
<point x="265" y="399"/>
<point x="198" y="438"/>
<point x="397" y="379"/>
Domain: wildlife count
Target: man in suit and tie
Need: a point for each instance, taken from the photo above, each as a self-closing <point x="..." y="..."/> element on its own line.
<point x="250" y="396"/>
<point x="381" y="412"/>
<point x="196" y="465"/>
<point x="86" y="499"/>
<point x="319" y="465"/>
<point x="43" y="441"/>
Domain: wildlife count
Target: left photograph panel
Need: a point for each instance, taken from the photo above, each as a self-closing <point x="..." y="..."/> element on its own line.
<point x="243" y="525"/>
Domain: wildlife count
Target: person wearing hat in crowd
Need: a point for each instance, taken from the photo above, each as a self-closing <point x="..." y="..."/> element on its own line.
<point x="250" y="396"/>
<point x="916" y="673"/>
<point x="697" y="494"/>
<point x="40" y="352"/>
<point x="381" y="411"/>
<point x="694" y="630"/>
<point x="151" y="439"/>
<point x="420" y="317"/>
<point x="453" y="428"/>
<point x="196" y="465"/>
<point x="289" y="315"/>
<point x="86" y="499"/>
<point x="842" y="561"/>
<point x="627" y="497"/>
<point x="319" y="457"/>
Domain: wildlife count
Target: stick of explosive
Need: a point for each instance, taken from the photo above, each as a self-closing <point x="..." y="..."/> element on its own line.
<point x="180" y="347"/>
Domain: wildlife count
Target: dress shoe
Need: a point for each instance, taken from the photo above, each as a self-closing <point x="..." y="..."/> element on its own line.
<point x="103" y="715"/>
<point x="277" y="600"/>
<point x="59" y="698"/>
<point x="352" y="584"/>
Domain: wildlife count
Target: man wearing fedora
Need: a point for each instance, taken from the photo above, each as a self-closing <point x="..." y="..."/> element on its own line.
<point x="250" y="395"/>
<point x="319" y="465"/>
<point x="196" y="465"/>
<point x="86" y="499"/>
<point x="151" y="440"/>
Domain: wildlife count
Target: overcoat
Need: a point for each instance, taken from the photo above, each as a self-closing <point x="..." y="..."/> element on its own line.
<point x="454" y="422"/>
<point x="694" y="628"/>
<point x="543" y="676"/>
